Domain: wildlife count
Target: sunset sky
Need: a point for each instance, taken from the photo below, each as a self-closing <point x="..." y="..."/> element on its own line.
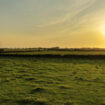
<point x="49" y="23"/>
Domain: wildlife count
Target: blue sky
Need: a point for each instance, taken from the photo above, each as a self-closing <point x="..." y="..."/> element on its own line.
<point x="48" y="23"/>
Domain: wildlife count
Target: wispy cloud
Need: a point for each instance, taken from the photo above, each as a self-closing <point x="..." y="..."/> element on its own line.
<point x="75" y="13"/>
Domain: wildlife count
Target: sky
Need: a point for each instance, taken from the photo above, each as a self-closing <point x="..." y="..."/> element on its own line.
<point x="51" y="23"/>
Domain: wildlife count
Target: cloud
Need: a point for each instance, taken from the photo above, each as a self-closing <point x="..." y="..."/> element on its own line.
<point x="75" y="13"/>
<point x="74" y="20"/>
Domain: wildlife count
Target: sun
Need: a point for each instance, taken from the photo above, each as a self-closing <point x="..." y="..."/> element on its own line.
<point x="102" y="29"/>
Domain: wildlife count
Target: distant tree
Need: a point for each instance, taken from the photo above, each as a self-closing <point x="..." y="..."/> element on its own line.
<point x="55" y="48"/>
<point x="1" y="50"/>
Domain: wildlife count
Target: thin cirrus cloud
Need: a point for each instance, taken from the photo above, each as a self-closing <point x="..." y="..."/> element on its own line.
<point x="72" y="20"/>
<point x="75" y="11"/>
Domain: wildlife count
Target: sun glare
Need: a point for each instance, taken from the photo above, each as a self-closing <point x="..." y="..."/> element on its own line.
<point x="102" y="29"/>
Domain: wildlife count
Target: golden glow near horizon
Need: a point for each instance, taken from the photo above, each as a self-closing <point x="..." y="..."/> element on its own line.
<point x="49" y="23"/>
<point x="102" y="30"/>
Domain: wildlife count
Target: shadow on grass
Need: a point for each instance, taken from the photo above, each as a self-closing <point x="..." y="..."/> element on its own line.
<point x="33" y="102"/>
<point x="39" y="89"/>
<point x="26" y="101"/>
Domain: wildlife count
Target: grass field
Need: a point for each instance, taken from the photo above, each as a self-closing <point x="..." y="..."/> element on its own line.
<point x="51" y="81"/>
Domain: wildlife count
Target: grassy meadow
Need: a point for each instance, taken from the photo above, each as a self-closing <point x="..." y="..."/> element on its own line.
<point x="51" y="81"/>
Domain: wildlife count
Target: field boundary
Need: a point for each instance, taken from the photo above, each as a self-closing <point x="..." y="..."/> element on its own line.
<point x="55" y="56"/>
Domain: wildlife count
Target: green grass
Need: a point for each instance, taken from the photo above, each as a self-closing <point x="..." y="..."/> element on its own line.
<point x="52" y="81"/>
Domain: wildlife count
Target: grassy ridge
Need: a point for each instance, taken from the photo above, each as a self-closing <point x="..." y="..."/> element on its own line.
<point x="51" y="81"/>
